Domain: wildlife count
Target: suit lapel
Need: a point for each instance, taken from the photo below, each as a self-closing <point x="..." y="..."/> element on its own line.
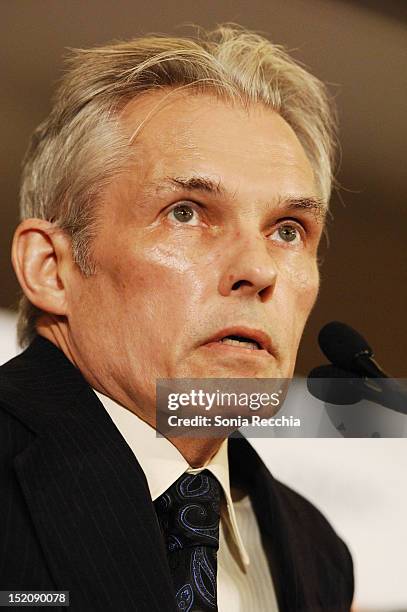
<point x="86" y="493"/>
<point x="305" y="556"/>
<point x="249" y="472"/>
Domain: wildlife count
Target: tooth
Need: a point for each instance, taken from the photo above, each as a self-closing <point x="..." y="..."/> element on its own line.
<point x="241" y="343"/>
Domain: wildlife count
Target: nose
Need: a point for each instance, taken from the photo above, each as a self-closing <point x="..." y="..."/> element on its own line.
<point x="250" y="270"/>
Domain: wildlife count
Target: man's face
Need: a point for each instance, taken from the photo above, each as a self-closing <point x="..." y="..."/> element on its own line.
<point x="213" y="233"/>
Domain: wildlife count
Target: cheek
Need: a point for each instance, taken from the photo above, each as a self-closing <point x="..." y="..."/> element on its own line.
<point x="300" y="289"/>
<point x="309" y="291"/>
<point x="153" y="289"/>
<point x="302" y="282"/>
<point x="160" y="271"/>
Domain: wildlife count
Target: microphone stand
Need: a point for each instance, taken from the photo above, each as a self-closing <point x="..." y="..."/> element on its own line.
<point x="387" y="392"/>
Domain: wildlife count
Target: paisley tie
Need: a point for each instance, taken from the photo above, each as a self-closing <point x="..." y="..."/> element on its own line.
<point x="189" y="513"/>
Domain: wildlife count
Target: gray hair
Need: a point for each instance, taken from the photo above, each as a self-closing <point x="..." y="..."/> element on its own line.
<point x="79" y="148"/>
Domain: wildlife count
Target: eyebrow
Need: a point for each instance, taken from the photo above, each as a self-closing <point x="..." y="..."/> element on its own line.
<point x="205" y="184"/>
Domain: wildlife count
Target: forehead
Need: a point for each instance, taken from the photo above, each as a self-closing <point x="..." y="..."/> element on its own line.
<point x="177" y="133"/>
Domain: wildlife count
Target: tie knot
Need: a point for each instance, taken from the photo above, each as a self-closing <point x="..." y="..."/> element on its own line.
<point x="189" y="511"/>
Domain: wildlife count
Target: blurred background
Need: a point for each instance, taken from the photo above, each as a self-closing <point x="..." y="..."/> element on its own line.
<point x="360" y="49"/>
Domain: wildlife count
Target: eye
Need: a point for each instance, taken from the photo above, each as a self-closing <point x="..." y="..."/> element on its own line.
<point x="287" y="232"/>
<point x="184" y="213"/>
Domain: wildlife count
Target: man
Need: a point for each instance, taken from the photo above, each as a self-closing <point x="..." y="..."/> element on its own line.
<point x="172" y="206"/>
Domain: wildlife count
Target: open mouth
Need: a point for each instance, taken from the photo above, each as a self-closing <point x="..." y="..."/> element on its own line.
<point x="241" y="342"/>
<point x="241" y="338"/>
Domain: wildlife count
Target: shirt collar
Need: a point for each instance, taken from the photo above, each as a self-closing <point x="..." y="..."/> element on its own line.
<point x="162" y="463"/>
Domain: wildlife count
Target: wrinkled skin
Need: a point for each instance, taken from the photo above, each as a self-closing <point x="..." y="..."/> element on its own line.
<point x="166" y="282"/>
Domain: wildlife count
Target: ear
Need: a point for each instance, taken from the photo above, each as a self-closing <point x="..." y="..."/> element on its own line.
<point x="42" y="259"/>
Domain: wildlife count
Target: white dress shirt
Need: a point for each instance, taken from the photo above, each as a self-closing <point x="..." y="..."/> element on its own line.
<point x="244" y="582"/>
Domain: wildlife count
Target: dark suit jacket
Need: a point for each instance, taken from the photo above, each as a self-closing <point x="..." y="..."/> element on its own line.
<point x="76" y="514"/>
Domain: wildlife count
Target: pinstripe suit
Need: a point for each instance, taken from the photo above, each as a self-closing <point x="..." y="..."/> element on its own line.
<point x="76" y="514"/>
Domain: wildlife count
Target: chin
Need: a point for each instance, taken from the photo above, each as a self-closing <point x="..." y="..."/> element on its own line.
<point x="236" y="370"/>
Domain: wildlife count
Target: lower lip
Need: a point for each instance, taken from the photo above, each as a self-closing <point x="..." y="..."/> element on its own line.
<point x="236" y="350"/>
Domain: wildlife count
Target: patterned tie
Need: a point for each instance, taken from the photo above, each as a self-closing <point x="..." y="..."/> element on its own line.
<point x="189" y="513"/>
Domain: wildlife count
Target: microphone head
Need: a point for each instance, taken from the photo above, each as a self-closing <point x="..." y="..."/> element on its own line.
<point x="333" y="385"/>
<point x="340" y="343"/>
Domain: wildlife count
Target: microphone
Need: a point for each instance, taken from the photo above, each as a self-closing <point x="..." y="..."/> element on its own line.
<point x="353" y="374"/>
<point x="347" y="349"/>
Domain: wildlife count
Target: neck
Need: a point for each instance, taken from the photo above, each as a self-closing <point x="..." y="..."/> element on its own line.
<point x="197" y="451"/>
<point x="54" y="329"/>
